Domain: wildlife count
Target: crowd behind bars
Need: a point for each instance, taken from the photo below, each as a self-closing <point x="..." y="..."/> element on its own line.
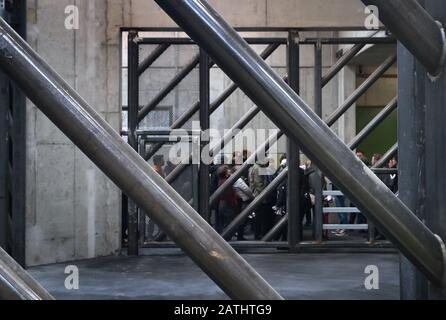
<point x="269" y="212"/>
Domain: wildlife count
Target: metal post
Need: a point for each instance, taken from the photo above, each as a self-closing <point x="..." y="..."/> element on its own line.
<point x="435" y="148"/>
<point x="133" y="107"/>
<point x="204" y="180"/>
<point x="290" y="113"/>
<point x="229" y="231"/>
<point x="416" y="30"/>
<point x="293" y="157"/>
<point x="16" y="283"/>
<point x="318" y="215"/>
<point x="411" y="168"/>
<point x="122" y="164"/>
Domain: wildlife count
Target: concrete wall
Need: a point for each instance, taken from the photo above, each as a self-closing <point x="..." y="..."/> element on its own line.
<point x="73" y="210"/>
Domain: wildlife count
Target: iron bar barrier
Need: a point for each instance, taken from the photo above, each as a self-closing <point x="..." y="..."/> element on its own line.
<point x="229" y="231"/>
<point x="416" y="29"/>
<point x="16" y="283"/>
<point x="383" y="114"/>
<point x="361" y="89"/>
<point x="290" y="113"/>
<point x="122" y="164"/>
<point x="152" y="57"/>
<point x="387" y="156"/>
<point x="214" y="105"/>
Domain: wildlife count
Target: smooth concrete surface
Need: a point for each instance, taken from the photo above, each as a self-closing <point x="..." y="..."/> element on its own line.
<point x="169" y="274"/>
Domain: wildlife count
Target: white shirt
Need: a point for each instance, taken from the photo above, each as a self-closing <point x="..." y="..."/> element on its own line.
<point x="242" y="190"/>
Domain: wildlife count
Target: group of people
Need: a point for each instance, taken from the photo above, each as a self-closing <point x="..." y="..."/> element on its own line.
<point x="254" y="180"/>
<point x="250" y="185"/>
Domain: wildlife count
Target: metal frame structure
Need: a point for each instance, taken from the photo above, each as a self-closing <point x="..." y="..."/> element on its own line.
<point x="280" y="102"/>
<point x="205" y="108"/>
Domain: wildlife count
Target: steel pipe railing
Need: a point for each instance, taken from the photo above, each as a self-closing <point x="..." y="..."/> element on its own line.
<point x="342" y="62"/>
<point x="168" y="88"/>
<point x="290" y="113"/>
<point x="383" y="114"/>
<point x="276" y="229"/>
<point x="361" y="90"/>
<point x="386" y="157"/>
<point x="416" y="30"/>
<point x="16" y="283"/>
<point x="104" y="146"/>
<point x="152" y="57"/>
<point x="242" y="216"/>
<point x="214" y="105"/>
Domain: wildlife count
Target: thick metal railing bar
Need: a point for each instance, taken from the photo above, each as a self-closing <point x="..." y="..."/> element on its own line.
<point x="152" y="57"/>
<point x="361" y="90"/>
<point x="416" y="30"/>
<point x="184" y="72"/>
<point x="290" y="113"/>
<point x="383" y="114"/>
<point x="229" y="231"/>
<point x="386" y="157"/>
<point x="188" y="41"/>
<point x="214" y="105"/>
<point x="245" y="166"/>
<point x="278" y="227"/>
<point x="16" y="283"/>
<point x="342" y="62"/>
<point x="104" y="146"/>
<point x="263" y="41"/>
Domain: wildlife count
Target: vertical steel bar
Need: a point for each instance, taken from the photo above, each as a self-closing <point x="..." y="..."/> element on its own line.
<point x="411" y="170"/>
<point x="318" y="219"/>
<point x="133" y="104"/>
<point x="204" y="179"/>
<point x="293" y="157"/>
<point x="435" y="148"/>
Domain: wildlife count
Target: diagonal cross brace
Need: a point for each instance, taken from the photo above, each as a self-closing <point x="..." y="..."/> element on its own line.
<point x="290" y="113"/>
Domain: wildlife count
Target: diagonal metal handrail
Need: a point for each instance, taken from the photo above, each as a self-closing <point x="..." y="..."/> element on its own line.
<point x="16" y="283"/>
<point x="105" y="147"/>
<point x="214" y="105"/>
<point x="361" y="89"/>
<point x="242" y="216"/>
<point x="383" y="114"/>
<point x="290" y="113"/>
<point x="387" y="156"/>
<point x="145" y="110"/>
<point x="152" y="57"/>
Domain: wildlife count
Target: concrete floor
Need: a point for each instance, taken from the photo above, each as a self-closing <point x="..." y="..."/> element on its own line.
<point x="169" y="274"/>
